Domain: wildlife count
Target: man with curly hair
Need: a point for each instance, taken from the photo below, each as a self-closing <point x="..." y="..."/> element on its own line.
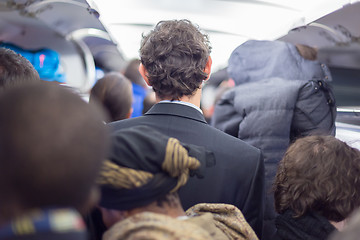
<point x="175" y="60"/>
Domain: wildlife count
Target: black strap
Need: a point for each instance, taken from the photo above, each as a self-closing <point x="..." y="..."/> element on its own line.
<point x="329" y="95"/>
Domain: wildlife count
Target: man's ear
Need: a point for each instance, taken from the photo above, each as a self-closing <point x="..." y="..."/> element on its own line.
<point x="207" y="69"/>
<point x="143" y="73"/>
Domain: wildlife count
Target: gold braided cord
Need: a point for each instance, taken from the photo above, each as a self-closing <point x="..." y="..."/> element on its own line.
<point x="122" y="177"/>
<point x="177" y="162"/>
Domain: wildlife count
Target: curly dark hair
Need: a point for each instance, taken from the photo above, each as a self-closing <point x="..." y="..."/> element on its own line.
<point x="174" y="55"/>
<point x="15" y="70"/>
<point x="319" y="174"/>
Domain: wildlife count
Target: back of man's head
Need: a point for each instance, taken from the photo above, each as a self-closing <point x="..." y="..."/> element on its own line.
<point x="51" y="146"/>
<point x="174" y="55"/>
<point x="15" y="70"/>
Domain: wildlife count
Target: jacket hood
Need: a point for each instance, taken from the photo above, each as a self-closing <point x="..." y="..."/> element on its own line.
<point x="256" y="60"/>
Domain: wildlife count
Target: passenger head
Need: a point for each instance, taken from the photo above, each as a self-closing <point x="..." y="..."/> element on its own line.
<point x="133" y="74"/>
<point x="143" y="172"/>
<point x="307" y="52"/>
<point x="149" y="101"/>
<point x="51" y="148"/>
<point x="319" y="174"/>
<point x="15" y="70"/>
<point x="114" y="92"/>
<point x="175" y="57"/>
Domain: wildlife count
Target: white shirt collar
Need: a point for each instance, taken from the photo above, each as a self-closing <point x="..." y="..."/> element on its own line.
<point x="183" y="103"/>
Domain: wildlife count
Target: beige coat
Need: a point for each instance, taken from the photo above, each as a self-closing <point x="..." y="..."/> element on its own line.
<point x="204" y="222"/>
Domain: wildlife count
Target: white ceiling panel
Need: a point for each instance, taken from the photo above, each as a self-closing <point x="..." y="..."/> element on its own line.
<point x="228" y="22"/>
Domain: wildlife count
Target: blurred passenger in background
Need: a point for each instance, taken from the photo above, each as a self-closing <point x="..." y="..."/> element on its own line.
<point x="281" y="93"/>
<point x="149" y="101"/>
<point x="139" y="86"/>
<point x="317" y="187"/>
<point x="52" y="146"/>
<point x="139" y="184"/>
<point x="213" y="88"/>
<point x="114" y="93"/>
<point x="15" y="70"/>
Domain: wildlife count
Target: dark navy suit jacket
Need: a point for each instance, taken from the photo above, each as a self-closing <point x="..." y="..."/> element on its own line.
<point x="237" y="177"/>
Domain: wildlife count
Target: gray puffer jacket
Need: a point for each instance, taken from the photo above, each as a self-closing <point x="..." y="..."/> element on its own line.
<point x="271" y="113"/>
<point x="279" y="96"/>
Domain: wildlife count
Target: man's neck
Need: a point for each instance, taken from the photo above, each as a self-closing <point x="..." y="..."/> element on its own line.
<point x="194" y="99"/>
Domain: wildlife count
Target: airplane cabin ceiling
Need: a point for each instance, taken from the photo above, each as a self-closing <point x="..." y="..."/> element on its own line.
<point x="228" y="22"/>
